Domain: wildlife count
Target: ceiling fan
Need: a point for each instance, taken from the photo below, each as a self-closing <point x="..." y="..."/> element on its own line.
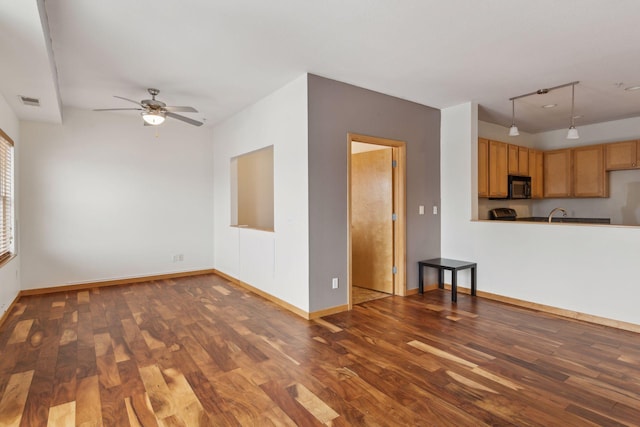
<point x="154" y="112"/>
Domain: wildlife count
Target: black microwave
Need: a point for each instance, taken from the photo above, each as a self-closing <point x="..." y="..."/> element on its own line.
<point x="519" y="187"/>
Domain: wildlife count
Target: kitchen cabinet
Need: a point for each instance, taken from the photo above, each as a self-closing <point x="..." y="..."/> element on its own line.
<point x="589" y="176"/>
<point x="498" y="171"/>
<point x="622" y="155"/>
<point x="518" y="160"/>
<point x="557" y="173"/>
<point x="575" y="172"/>
<point x="536" y="171"/>
<point x="483" y="167"/>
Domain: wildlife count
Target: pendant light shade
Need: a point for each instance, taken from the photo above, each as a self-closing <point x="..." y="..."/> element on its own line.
<point x="513" y="130"/>
<point x="573" y="132"/>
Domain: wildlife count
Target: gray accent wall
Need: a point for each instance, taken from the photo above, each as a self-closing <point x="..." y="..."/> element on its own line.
<point x="336" y="109"/>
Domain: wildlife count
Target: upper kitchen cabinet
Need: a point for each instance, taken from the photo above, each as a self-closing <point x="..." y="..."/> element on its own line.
<point x="589" y="176"/>
<point x="576" y="172"/>
<point x="557" y="173"/>
<point x="536" y="171"/>
<point x="483" y="167"/>
<point x="622" y="155"/>
<point x="498" y="173"/>
<point x="518" y="160"/>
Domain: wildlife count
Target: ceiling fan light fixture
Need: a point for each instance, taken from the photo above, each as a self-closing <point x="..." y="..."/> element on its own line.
<point x="153" y="118"/>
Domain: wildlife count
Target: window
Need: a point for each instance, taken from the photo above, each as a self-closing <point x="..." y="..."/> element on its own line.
<point x="6" y="196"/>
<point x="252" y="189"/>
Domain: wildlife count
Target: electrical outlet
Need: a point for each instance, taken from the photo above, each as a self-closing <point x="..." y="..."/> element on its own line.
<point x="334" y="283"/>
<point x="435" y="210"/>
<point x="178" y="257"/>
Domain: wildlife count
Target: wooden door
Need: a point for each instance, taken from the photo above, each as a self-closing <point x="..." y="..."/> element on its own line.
<point x="536" y="171"/>
<point x="514" y="161"/>
<point x="621" y="155"/>
<point x="498" y="176"/>
<point x="557" y="173"/>
<point x="523" y="161"/>
<point x="371" y="220"/>
<point x="589" y="176"/>
<point x="483" y="167"/>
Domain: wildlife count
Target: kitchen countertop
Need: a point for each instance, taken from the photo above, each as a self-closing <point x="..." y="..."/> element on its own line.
<point x="566" y="219"/>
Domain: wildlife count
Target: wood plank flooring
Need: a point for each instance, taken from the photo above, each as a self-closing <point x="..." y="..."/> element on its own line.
<point x="201" y="351"/>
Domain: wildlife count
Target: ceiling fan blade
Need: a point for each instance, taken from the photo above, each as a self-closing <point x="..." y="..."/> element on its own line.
<point x="184" y="119"/>
<point x="127" y="99"/>
<point x="181" y="109"/>
<point x="118" y="109"/>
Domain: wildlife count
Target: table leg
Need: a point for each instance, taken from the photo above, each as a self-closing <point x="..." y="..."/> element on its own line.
<point x="454" y="286"/>
<point x="441" y="278"/>
<point x="473" y="281"/>
<point x="420" y="279"/>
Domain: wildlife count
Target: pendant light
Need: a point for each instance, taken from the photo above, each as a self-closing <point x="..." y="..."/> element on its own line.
<point x="573" y="132"/>
<point x="513" y="130"/>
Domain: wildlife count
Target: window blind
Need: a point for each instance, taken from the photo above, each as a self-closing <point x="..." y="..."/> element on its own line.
<point x="6" y="196"/>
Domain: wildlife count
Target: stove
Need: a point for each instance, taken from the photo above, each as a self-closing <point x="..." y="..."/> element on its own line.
<point x="503" y="214"/>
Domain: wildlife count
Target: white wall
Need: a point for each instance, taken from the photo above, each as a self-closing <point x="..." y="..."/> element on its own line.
<point x="275" y="262"/>
<point x="10" y="272"/>
<point x="104" y="197"/>
<point x="565" y="266"/>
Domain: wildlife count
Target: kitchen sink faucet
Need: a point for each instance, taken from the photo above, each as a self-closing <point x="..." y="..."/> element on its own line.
<point x="564" y="213"/>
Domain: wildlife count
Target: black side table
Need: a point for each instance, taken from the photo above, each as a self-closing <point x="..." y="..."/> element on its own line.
<point x="452" y="265"/>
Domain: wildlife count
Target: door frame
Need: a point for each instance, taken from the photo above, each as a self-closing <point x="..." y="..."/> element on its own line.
<point x="399" y="150"/>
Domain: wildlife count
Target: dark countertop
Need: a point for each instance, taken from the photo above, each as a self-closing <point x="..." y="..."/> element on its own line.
<point x="566" y="219"/>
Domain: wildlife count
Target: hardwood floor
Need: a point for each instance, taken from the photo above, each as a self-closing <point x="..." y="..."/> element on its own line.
<point x="360" y="295"/>
<point x="200" y="351"/>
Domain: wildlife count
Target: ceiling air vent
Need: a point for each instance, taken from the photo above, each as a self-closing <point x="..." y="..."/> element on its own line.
<point x="26" y="100"/>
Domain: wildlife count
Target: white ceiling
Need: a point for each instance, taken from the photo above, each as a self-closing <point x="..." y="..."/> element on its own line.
<point x="221" y="56"/>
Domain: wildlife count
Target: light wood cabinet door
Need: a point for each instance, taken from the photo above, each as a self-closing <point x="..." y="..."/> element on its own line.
<point x="514" y="161"/>
<point x="557" y="173"/>
<point x="498" y="169"/>
<point x="518" y="160"/>
<point x="523" y="161"/>
<point x="589" y="176"/>
<point x="622" y="155"/>
<point x="483" y="167"/>
<point x="536" y="171"/>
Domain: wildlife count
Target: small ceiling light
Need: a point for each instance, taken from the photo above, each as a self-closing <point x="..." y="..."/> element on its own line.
<point x="573" y="132"/>
<point x="513" y="130"/>
<point x="154" y="118"/>
<point x="550" y="106"/>
<point x="632" y="88"/>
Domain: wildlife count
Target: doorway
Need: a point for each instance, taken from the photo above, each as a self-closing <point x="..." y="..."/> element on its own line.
<point x="377" y="217"/>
